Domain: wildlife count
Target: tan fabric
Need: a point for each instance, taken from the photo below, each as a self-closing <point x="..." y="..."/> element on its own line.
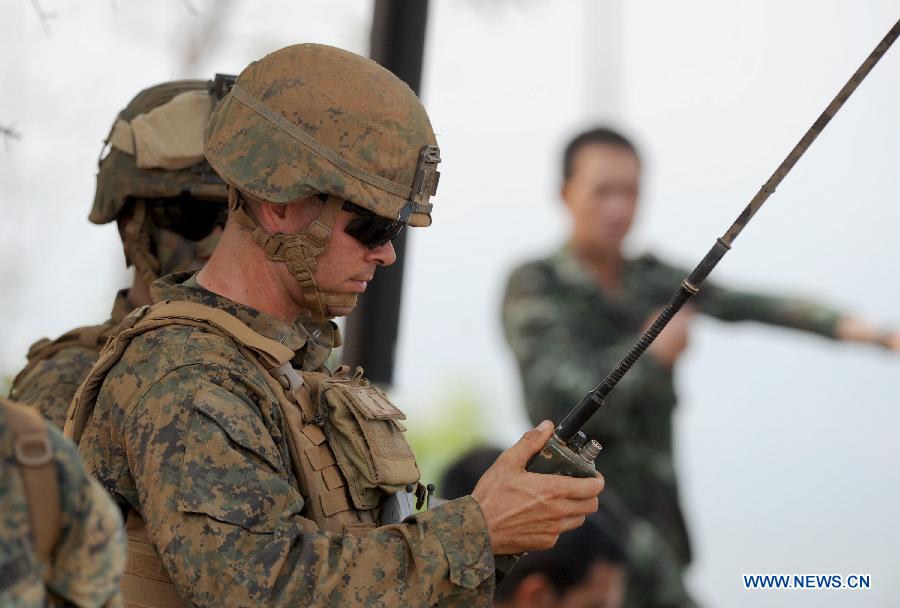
<point x="171" y="136"/>
<point x="34" y="454"/>
<point x="145" y="583"/>
<point x="122" y="137"/>
<point x="371" y="450"/>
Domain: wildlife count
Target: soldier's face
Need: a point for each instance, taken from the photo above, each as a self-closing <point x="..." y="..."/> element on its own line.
<point x="601" y="196"/>
<point x="347" y="266"/>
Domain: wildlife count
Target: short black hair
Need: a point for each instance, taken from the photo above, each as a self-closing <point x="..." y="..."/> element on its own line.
<point x="568" y="562"/>
<point x="597" y="135"/>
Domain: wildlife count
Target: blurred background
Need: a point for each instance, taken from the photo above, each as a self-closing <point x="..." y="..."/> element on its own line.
<point x="785" y="442"/>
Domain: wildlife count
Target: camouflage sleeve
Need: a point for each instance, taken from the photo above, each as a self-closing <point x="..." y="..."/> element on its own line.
<point x="558" y="364"/>
<point x="90" y="557"/>
<point x="734" y="305"/>
<point x="52" y="382"/>
<point x="223" y="510"/>
<point x="792" y="312"/>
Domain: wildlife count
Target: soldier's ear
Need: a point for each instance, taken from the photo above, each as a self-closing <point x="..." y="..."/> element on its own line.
<point x="535" y="591"/>
<point x="269" y="215"/>
<point x="564" y="192"/>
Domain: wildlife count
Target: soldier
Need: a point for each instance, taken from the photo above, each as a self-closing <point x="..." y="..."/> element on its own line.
<point x="61" y="540"/>
<point x="169" y="206"/>
<point x="260" y="476"/>
<point x="570" y="317"/>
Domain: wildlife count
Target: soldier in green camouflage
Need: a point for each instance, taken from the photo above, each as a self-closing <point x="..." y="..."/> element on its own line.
<point x="262" y="477"/>
<point x="169" y="205"/>
<point x="61" y="540"/>
<point x="570" y="317"/>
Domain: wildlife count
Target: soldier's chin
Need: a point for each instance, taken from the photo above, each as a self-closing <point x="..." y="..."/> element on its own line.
<point x="340" y="304"/>
<point x="339" y="311"/>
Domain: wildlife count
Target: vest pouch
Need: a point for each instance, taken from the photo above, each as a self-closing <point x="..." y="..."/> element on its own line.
<point x="364" y="431"/>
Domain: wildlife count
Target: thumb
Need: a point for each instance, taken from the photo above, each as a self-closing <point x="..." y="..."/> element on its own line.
<point x="530" y="444"/>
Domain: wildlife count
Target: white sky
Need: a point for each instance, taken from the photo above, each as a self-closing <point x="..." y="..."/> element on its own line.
<point x="785" y="442"/>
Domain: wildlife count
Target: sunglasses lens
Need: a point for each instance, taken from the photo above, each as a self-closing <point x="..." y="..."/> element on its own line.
<point x="371" y="230"/>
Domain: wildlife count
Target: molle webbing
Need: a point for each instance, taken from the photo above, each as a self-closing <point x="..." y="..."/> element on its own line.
<point x="145" y="582"/>
<point x="34" y="453"/>
<point x="322" y="485"/>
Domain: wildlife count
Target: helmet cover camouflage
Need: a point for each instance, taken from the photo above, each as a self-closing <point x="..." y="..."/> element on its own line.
<point x="311" y="118"/>
<point x="120" y="178"/>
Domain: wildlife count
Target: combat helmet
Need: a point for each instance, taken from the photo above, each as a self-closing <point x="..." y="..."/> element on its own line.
<point x="311" y="119"/>
<point x="155" y="151"/>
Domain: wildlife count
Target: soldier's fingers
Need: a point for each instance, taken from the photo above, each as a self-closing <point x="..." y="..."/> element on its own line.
<point x="570" y="523"/>
<point x="577" y="488"/>
<point x="529" y="445"/>
<point x="584" y="506"/>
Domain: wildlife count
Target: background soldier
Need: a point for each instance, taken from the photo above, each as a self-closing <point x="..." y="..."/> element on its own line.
<point x="169" y="205"/>
<point x="262" y="479"/>
<point x="570" y="317"/>
<point x="61" y="540"/>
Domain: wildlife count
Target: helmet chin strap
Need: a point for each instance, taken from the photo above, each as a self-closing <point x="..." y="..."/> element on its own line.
<point x="299" y="251"/>
<point x="136" y="242"/>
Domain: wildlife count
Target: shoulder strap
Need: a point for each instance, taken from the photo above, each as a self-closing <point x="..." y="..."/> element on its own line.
<point x="34" y="453"/>
<point x="273" y="354"/>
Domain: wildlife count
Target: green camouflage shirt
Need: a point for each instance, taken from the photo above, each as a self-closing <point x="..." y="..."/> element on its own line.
<point x="56" y="368"/>
<point x="90" y="554"/>
<point x="567" y="334"/>
<point x="186" y="431"/>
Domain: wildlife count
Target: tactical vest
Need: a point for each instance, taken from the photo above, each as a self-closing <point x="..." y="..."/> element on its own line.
<point x="34" y="455"/>
<point x="91" y="337"/>
<point x="344" y="437"/>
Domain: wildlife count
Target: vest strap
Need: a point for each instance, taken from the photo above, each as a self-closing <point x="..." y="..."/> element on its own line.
<point x="34" y="452"/>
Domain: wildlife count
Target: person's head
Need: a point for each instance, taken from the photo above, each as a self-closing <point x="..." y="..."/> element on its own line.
<point x="327" y="155"/>
<point x="585" y="569"/>
<point x="601" y="182"/>
<point x="155" y="183"/>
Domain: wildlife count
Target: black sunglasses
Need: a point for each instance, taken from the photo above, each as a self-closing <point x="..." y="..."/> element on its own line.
<point x="371" y="230"/>
<point x="188" y="217"/>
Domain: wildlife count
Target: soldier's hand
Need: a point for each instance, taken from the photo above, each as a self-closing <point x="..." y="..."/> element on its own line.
<point x="855" y="329"/>
<point x="528" y="511"/>
<point x="673" y="339"/>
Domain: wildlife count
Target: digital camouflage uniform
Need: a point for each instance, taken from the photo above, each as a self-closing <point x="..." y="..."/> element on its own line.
<point x="567" y="334"/>
<point x="154" y="158"/>
<point x="186" y="431"/>
<point x="90" y="552"/>
<point x="56" y="368"/>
